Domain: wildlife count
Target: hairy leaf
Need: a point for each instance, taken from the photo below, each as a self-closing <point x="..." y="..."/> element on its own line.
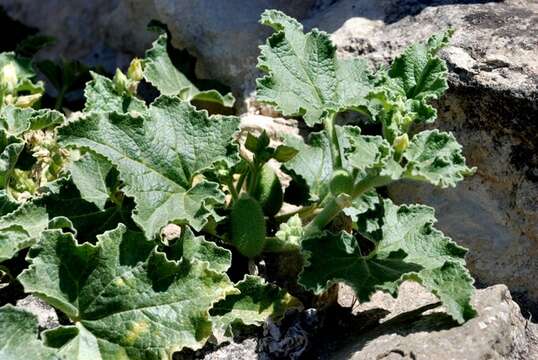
<point x="436" y="157"/>
<point x="304" y="77"/>
<point x="89" y="174"/>
<point x="160" y="71"/>
<point x="332" y="258"/>
<point x="257" y="301"/>
<point x="21" y="228"/>
<point x="312" y="164"/>
<point x="158" y="155"/>
<point x="192" y="247"/>
<point x="15" y="121"/>
<point x="127" y="299"/>
<point x="409" y="228"/>
<point x="102" y="95"/>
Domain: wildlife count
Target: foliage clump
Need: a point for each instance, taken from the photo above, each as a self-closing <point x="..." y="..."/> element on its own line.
<point x="130" y="210"/>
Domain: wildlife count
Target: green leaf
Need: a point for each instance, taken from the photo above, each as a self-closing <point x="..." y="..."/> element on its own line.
<point x="192" y="247"/>
<point x="125" y="296"/>
<point x="409" y="228"/>
<point x="453" y="285"/>
<point x="419" y="73"/>
<point x="86" y="218"/>
<point x="89" y="174"/>
<point x="160" y="71"/>
<point x="102" y="95"/>
<point x="304" y="77"/>
<point x="158" y="154"/>
<point x="7" y="205"/>
<point x="366" y="153"/>
<point x="284" y="153"/>
<point x="19" y="336"/>
<point x="332" y="258"/>
<point x="312" y="164"/>
<point x="436" y="157"/>
<point x="257" y="301"/>
<point x="10" y="149"/>
<point x="15" y="121"/>
<point x="361" y="204"/>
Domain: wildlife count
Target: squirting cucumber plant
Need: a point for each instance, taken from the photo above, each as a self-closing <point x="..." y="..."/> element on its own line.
<point x="86" y="198"/>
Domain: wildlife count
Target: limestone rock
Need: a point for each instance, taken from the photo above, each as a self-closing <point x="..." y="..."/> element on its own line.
<point x="46" y="315"/>
<point x="498" y="332"/>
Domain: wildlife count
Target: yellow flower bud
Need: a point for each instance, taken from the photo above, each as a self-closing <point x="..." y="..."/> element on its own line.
<point x="401" y="143"/>
<point x="9" y="77"/>
<point x="135" y="71"/>
<point x="27" y="100"/>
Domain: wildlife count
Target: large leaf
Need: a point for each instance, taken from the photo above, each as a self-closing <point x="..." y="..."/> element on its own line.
<point x="127" y="300"/>
<point x="89" y="174"/>
<point x="158" y="155"/>
<point x="304" y="77"/>
<point x="19" y="336"/>
<point x="436" y="157"/>
<point x="102" y="95"/>
<point x="257" y="301"/>
<point x="160" y="71"/>
<point x="332" y="258"/>
<point x="20" y="229"/>
<point x="409" y="228"/>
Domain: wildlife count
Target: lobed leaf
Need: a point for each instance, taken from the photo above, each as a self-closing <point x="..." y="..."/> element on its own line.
<point x="126" y="299"/>
<point x="304" y="77"/>
<point x="257" y="301"/>
<point x="158" y="154"/>
<point x="102" y="95"/>
<point x="436" y="157"/>
<point x="160" y="71"/>
<point x="21" y="228"/>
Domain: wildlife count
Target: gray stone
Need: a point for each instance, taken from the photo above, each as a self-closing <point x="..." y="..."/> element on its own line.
<point x="243" y="350"/>
<point x="498" y="332"/>
<point x="46" y="315"/>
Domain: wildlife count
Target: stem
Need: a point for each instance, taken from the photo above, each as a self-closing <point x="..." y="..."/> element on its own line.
<point x="60" y="98"/>
<point x="335" y="204"/>
<point x="253" y="180"/>
<point x="240" y="182"/>
<point x="333" y="207"/>
<point x="229" y="183"/>
<point x="328" y="123"/>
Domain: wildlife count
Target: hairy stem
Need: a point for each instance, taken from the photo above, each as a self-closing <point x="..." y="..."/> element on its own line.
<point x="334" y="205"/>
<point x="328" y="123"/>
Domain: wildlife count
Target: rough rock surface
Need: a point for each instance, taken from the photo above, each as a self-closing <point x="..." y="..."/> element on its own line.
<point x="46" y="315"/>
<point x="498" y="332"/>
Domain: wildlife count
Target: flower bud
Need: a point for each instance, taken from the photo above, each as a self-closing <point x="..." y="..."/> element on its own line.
<point x="135" y="71"/>
<point x="401" y="143"/>
<point x="27" y="100"/>
<point x="9" y="77"/>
